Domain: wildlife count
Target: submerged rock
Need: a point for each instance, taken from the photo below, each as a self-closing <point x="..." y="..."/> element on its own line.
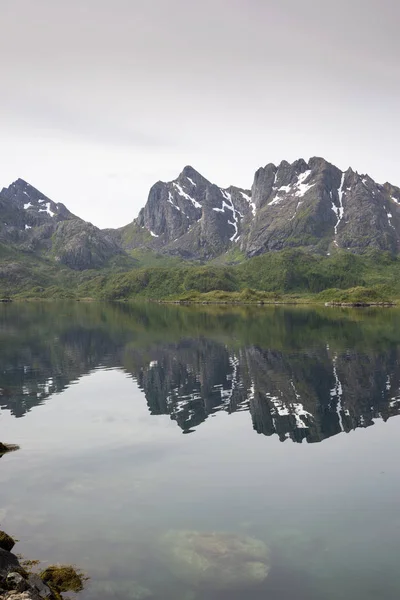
<point x="216" y="560"/>
<point x="63" y="578"/>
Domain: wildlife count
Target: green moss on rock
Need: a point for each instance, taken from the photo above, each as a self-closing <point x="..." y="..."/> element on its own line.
<point x="63" y="578"/>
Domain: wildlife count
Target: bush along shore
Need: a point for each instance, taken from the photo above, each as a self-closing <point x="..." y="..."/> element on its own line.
<point x="18" y="581"/>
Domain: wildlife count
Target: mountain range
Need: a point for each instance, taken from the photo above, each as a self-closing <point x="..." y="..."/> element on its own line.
<point x="310" y="205"/>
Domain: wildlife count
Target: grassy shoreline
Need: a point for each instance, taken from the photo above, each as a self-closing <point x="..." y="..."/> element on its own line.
<point x="348" y="299"/>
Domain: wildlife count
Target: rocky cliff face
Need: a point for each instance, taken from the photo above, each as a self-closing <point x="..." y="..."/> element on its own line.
<point x="30" y="221"/>
<point x="316" y="205"/>
<point x="312" y="205"/>
<point x="192" y="217"/>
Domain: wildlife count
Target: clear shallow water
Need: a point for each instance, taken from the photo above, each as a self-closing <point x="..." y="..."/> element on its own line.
<point x="98" y="397"/>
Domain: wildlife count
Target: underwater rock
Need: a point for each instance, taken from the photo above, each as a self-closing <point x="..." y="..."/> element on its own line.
<point x="6" y="541"/>
<point x="218" y="560"/>
<point x="62" y="578"/>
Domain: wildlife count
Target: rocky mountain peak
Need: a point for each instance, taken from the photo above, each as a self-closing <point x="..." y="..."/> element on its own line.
<point x="193" y="176"/>
<point x="312" y="205"/>
<point x="34" y="207"/>
<point x="32" y="222"/>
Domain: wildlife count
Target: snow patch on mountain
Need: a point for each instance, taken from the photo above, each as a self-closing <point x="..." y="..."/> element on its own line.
<point x="185" y="195"/>
<point x="302" y="187"/>
<point x="228" y="196"/>
<point x="252" y="205"/>
<point x="171" y="201"/>
<point x="339" y="210"/>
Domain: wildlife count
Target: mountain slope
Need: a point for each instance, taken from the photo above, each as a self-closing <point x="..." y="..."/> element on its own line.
<point x="312" y="205"/>
<point x="319" y="206"/>
<point x="189" y="217"/>
<point x="32" y="223"/>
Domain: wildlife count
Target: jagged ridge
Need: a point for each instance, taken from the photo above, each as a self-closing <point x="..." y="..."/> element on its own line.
<point x="310" y="205"/>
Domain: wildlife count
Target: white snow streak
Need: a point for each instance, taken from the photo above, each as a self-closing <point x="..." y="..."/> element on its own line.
<point x="339" y="210"/>
<point x="28" y="205"/>
<point x="294" y="409"/>
<point x="337" y="392"/>
<point x="299" y="188"/>
<point x="276" y="200"/>
<point x="230" y="207"/>
<point x="48" y="209"/>
<point x="191" y="181"/>
<point x="252" y="205"/>
<point x="153" y="234"/>
<point x="187" y="196"/>
<point x="395" y="199"/>
<point x="171" y="201"/>
<point x="28" y="227"/>
<point x="390" y="217"/>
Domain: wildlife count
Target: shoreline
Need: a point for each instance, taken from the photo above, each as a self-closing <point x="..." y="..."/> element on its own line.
<point x="306" y="301"/>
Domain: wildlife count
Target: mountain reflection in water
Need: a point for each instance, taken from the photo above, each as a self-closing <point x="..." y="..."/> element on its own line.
<point x="299" y="373"/>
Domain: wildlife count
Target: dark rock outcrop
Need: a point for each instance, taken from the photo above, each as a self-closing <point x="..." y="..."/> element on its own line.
<point x="6" y="541"/>
<point x="8" y="563"/>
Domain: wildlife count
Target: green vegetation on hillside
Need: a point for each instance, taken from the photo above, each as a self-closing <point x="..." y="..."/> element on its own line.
<point x="372" y="277"/>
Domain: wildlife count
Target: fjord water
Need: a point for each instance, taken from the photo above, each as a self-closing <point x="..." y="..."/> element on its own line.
<point x="294" y="439"/>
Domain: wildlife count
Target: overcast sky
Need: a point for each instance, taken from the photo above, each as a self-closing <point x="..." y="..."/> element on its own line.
<point x="102" y="98"/>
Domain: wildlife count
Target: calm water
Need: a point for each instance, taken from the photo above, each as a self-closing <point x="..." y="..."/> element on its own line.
<point x="292" y="441"/>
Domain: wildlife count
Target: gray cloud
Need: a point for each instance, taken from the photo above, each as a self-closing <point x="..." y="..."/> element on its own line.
<point x="142" y="87"/>
<point x="83" y="122"/>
